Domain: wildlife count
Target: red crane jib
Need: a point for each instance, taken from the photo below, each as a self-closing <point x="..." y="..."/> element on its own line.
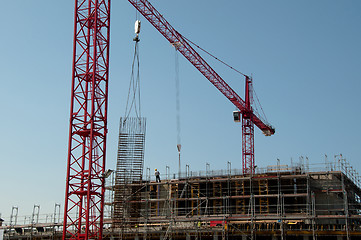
<point x="177" y="40"/>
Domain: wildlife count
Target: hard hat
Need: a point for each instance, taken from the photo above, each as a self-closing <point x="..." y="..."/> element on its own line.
<point x="155" y="169"/>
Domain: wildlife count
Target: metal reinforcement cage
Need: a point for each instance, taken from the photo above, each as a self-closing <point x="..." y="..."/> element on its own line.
<point x="129" y="169"/>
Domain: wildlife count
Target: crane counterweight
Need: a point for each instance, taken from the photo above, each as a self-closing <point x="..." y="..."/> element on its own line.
<point x="269" y="132"/>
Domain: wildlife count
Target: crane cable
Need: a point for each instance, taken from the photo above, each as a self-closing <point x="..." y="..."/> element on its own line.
<point x="259" y="103"/>
<point x="133" y="99"/>
<point x="177" y="96"/>
<point x="177" y="88"/>
<point x="219" y="60"/>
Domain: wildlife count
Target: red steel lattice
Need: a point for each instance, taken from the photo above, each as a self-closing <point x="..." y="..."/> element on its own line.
<point x="248" y="131"/>
<point x="84" y="197"/>
<point x="248" y="166"/>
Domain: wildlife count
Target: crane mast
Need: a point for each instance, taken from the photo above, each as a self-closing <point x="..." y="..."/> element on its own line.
<point x="248" y="165"/>
<point x="84" y="196"/>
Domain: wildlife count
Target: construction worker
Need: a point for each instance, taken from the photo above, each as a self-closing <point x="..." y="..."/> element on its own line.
<point x="156" y="173"/>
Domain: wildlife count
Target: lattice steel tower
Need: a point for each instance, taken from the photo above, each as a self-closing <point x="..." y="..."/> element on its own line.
<point x="84" y="198"/>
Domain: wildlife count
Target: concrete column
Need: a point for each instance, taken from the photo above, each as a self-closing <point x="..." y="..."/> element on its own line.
<point x="136" y="237"/>
<point x="244" y="237"/>
<point x="274" y="237"/>
<point x="188" y="237"/>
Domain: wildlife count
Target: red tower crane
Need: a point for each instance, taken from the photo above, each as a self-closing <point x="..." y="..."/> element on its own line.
<point x="84" y="198"/>
<point x="249" y="116"/>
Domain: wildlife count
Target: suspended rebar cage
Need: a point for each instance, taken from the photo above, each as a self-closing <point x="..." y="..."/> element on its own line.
<point x="130" y="161"/>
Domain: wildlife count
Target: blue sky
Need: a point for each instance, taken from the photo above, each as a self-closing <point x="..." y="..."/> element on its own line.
<point x="304" y="57"/>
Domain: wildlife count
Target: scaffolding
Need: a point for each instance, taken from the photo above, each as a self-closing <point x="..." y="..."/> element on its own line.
<point x="279" y="201"/>
<point x="300" y="201"/>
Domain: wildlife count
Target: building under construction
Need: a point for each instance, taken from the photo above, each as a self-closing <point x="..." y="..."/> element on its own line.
<point x="304" y="201"/>
<point x="278" y="202"/>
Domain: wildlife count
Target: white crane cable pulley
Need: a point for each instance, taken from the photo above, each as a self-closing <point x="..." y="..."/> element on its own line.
<point x="136" y="30"/>
<point x="137" y="27"/>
